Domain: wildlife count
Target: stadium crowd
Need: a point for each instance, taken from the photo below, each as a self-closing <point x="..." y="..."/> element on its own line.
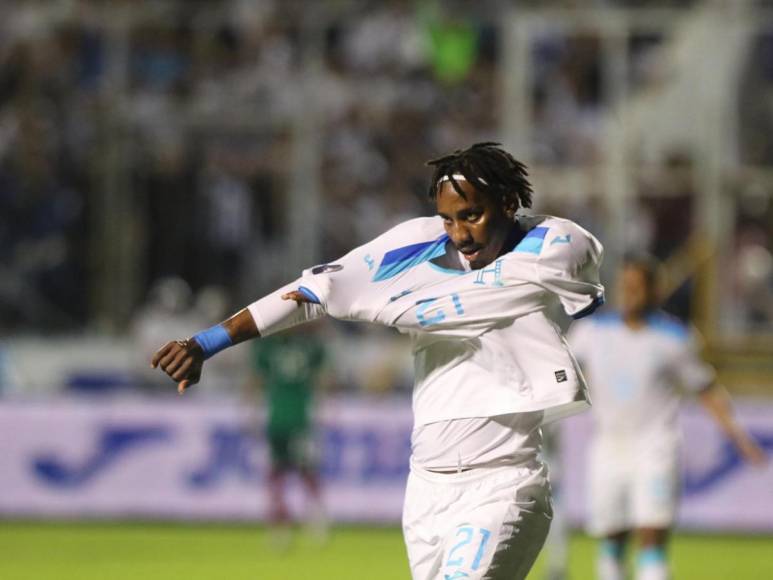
<point x="187" y="114"/>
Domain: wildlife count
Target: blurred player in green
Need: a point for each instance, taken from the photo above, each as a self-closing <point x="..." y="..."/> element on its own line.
<point x="288" y="367"/>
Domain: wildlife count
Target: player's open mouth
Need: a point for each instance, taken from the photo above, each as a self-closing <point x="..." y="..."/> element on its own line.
<point x="471" y="255"/>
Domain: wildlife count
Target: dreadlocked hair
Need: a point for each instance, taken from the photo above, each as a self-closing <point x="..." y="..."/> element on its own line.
<point x="488" y="167"/>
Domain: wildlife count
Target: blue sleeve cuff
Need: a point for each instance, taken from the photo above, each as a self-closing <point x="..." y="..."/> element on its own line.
<point x="591" y="308"/>
<point x="309" y="294"/>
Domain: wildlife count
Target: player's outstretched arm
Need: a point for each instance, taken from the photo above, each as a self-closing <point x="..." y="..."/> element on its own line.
<point x="183" y="360"/>
<point x="716" y="400"/>
<point x="295" y="303"/>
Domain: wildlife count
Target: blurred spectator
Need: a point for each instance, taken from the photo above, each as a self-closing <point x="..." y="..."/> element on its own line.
<point x="196" y="113"/>
<point x="41" y="231"/>
<point x="166" y="313"/>
<point x="567" y="98"/>
<point x="752" y="265"/>
<point x="225" y="206"/>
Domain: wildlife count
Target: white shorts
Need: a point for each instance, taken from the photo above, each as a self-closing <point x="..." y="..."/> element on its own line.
<point x="631" y="488"/>
<point x="481" y="523"/>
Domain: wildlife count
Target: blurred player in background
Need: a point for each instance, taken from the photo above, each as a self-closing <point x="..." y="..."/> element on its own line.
<point x="472" y="286"/>
<point x="288" y="367"/>
<point x="638" y="362"/>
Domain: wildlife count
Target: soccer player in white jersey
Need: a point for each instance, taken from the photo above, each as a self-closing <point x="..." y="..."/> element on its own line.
<point x="472" y="287"/>
<point x="638" y="362"/>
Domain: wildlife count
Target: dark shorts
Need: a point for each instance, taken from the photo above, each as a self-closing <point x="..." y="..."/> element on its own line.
<point x="291" y="448"/>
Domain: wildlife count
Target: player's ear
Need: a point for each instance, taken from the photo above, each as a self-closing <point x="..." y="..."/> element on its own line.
<point x="510" y="208"/>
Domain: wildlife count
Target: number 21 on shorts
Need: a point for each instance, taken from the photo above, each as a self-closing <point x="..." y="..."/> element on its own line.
<point x="468" y="550"/>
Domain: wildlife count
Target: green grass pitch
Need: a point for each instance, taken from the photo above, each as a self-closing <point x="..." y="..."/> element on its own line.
<point x="133" y="551"/>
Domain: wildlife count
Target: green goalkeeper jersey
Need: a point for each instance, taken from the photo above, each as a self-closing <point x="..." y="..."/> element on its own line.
<point x="289" y="365"/>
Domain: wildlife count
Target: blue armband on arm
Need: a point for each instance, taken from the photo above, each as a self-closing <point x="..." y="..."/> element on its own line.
<point x="213" y="340"/>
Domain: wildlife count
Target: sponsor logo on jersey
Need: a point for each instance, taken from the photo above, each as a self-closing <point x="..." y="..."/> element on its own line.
<point x="560" y="376"/>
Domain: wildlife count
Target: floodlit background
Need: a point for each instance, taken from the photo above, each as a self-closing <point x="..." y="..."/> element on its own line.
<point x="164" y="163"/>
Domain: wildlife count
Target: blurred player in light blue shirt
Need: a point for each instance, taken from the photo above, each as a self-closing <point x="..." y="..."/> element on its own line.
<point x="639" y="362"/>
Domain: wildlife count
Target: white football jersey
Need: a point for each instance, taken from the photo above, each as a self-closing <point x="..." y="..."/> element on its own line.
<point x="483" y="343"/>
<point x="637" y="376"/>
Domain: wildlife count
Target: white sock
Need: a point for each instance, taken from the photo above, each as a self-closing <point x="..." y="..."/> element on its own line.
<point x="611" y="563"/>
<point x="651" y="564"/>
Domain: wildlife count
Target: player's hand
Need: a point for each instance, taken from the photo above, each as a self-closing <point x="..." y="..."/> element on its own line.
<point x="296" y="295"/>
<point x="182" y="360"/>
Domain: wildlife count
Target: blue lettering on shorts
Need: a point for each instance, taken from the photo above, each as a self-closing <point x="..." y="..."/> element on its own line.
<point x="459" y="557"/>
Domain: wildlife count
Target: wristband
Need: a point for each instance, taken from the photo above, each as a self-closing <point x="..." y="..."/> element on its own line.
<point x="213" y="340"/>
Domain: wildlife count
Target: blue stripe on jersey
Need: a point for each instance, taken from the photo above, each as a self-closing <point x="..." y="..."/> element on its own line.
<point x="656" y="322"/>
<point x="608" y="318"/>
<point x="402" y="259"/>
<point x="666" y="324"/>
<point x="532" y="241"/>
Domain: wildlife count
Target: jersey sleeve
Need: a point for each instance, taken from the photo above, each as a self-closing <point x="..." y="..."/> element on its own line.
<point x="331" y="288"/>
<point x="568" y="266"/>
<point x="354" y="287"/>
<point x="272" y="314"/>
<point x="344" y="288"/>
<point x="693" y="374"/>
